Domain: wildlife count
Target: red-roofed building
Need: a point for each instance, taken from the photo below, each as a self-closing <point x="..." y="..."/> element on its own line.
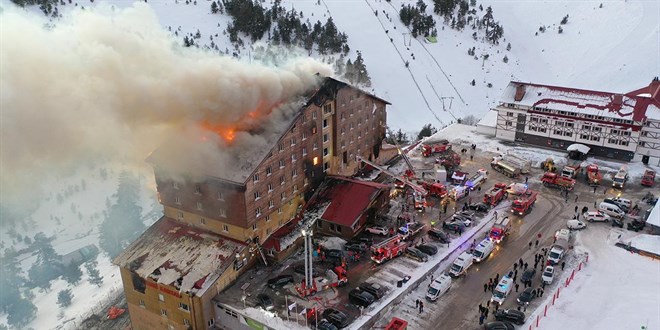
<point x="351" y="203"/>
<point x="613" y="125"/>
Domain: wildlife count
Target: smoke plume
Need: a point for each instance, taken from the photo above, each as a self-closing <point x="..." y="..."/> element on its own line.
<point x="112" y="82"/>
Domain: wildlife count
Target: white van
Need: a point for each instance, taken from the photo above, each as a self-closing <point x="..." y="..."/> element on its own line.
<point x="502" y="290"/>
<point x="563" y="234"/>
<point x="460" y="265"/>
<point x="483" y="250"/>
<point x="439" y="286"/>
<point x="611" y="210"/>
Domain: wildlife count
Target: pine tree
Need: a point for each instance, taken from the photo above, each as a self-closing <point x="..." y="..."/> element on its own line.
<point x="362" y="76"/>
<point x="48" y="265"/>
<point x="564" y="20"/>
<point x="427" y="130"/>
<point x="64" y="298"/>
<point x="94" y="277"/>
<point x="505" y="59"/>
<point x="72" y="273"/>
<point x="214" y="7"/>
<point x="508" y="46"/>
<point x="473" y="82"/>
<point x="560" y="30"/>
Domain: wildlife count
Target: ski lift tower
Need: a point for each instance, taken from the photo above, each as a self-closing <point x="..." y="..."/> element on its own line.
<point x="443" y="98"/>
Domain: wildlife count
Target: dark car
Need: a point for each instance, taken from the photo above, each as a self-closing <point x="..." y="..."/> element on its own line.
<point x="511" y="315"/>
<point x="525" y="297"/>
<point x="334" y="254"/>
<point x="453" y="226"/>
<point x="355" y="247"/>
<point x="360" y="297"/>
<point x="499" y="325"/>
<point x="363" y="239"/>
<point x="416" y="254"/>
<point x="636" y="225"/>
<point x="280" y="281"/>
<point x="264" y="301"/>
<point x="337" y="318"/>
<point x="300" y="269"/>
<point x="479" y="207"/>
<point x="439" y="235"/>
<point x="325" y="325"/>
<point x="528" y="275"/>
<point x="376" y="290"/>
<point x="428" y="249"/>
<point x="617" y="222"/>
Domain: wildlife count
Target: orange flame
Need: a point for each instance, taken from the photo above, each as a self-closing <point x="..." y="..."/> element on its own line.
<point x="226" y="132"/>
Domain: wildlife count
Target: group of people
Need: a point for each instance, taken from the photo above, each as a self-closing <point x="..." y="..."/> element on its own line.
<point x="419" y="305"/>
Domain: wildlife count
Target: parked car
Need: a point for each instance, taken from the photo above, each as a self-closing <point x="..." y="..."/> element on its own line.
<point x="338" y="318"/>
<point x="264" y="301"/>
<point x="617" y="222"/>
<point x="563" y="234"/>
<point x="575" y="224"/>
<point x="525" y="297"/>
<point x="362" y="239"/>
<point x="374" y="289"/>
<point x="479" y="207"/>
<point x="300" y="269"/>
<point x="416" y="254"/>
<point x="622" y="203"/>
<point x="428" y="249"/>
<point x="334" y="254"/>
<point x="355" y="247"/>
<point x="466" y="220"/>
<point x="636" y="225"/>
<point x="280" y="281"/>
<point x="360" y="297"/>
<point x="439" y="235"/>
<point x="454" y="226"/>
<point x="528" y="275"/>
<point x="499" y="325"/>
<point x="548" y="274"/>
<point x="510" y="315"/>
<point x="378" y="230"/>
<point x="325" y="325"/>
<point x="596" y="216"/>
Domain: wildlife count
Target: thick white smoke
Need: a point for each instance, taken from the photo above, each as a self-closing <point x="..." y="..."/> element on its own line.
<point x="113" y="82"/>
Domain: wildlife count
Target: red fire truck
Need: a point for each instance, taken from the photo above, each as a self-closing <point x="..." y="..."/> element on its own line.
<point x="649" y="178"/>
<point x="435" y="189"/>
<point x="523" y="204"/>
<point x="593" y="175"/>
<point x="429" y="149"/>
<point x="333" y="278"/>
<point x="500" y="229"/>
<point x="557" y="181"/>
<point x="388" y="249"/>
<point x="496" y="194"/>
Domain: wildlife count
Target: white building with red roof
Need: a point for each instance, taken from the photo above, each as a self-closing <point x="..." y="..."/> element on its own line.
<point x="619" y="126"/>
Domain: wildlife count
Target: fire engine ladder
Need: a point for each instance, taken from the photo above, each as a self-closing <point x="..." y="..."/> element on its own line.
<point x="261" y="253"/>
<point x="407" y="182"/>
<point x="405" y="158"/>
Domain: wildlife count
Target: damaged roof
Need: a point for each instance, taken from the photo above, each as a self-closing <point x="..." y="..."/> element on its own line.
<point x="187" y="258"/>
<point x="349" y="198"/>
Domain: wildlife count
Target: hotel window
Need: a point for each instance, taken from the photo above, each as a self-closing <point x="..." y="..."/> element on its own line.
<point x="326" y="166"/>
<point x="222" y="213"/>
<point x="198" y="190"/>
<point x="175" y="185"/>
<point x="509" y="114"/>
<point x="304" y="151"/>
<point x="343" y="131"/>
<point x="342" y="116"/>
<point x="271" y="204"/>
<point x="327" y="108"/>
<point x="199" y="206"/>
<point x="257" y="195"/>
<point x="254" y="226"/>
<point x="257" y="212"/>
<point x="269" y="171"/>
<point x="221" y="196"/>
<point x="313" y="114"/>
<point x="202" y="221"/>
<point x="184" y="307"/>
<point x="163" y="312"/>
<point x="186" y="322"/>
<point x="304" y="136"/>
<point x="255" y="178"/>
<point x="282" y="180"/>
<point x="177" y="200"/>
<point x="225" y="228"/>
<point x="584" y="136"/>
<point x="283" y="195"/>
<point x="280" y="147"/>
<point x="509" y="123"/>
<point x="313" y="129"/>
<point x="142" y="303"/>
<point x="268" y="218"/>
<point x="295" y="187"/>
<point x="305" y="182"/>
<point x="293" y="158"/>
<point x="293" y="141"/>
<point x="294" y="173"/>
<point x="325" y="151"/>
<point x="281" y="163"/>
<point x="279" y="210"/>
<point x="270" y="187"/>
<point x="180" y="215"/>
<point x="325" y="123"/>
<point x="161" y="297"/>
<point x="325" y="138"/>
<point x="316" y="146"/>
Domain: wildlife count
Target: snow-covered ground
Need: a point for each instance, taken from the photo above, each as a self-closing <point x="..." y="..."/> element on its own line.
<point x="615" y="290"/>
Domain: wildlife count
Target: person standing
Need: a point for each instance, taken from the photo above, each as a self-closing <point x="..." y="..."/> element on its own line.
<point x="526" y="179"/>
<point x="537" y="243"/>
<point x="563" y="263"/>
<point x="417" y="303"/>
<point x="576" y="208"/>
<point x="421" y="306"/>
<point x="530" y="245"/>
<point x="481" y="319"/>
<point x="517" y="285"/>
<point x="595" y="189"/>
<point x="576" y="198"/>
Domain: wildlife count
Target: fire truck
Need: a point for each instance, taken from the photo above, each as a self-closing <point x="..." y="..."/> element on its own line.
<point x="410" y="229"/>
<point x="388" y="249"/>
<point x="496" y="194"/>
<point x="500" y="229"/>
<point x="459" y="177"/>
<point x="333" y="278"/>
<point x="477" y="179"/>
<point x="556" y="181"/>
<point x="593" y="175"/>
<point x="449" y="161"/>
<point x="435" y="189"/>
<point x="571" y="170"/>
<point x="509" y="169"/>
<point x="649" y="178"/>
<point x="458" y="192"/>
<point x="523" y="204"/>
<point x="430" y="149"/>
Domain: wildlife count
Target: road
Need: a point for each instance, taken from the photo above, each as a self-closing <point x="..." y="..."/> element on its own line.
<point x="458" y="309"/>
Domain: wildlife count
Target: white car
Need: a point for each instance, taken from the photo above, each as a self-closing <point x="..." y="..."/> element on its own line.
<point x="575" y="224"/>
<point x="548" y="274"/>
<point x="563" y="233"/>
<point x="378" y="230"/>
<point x="596" y="216"/>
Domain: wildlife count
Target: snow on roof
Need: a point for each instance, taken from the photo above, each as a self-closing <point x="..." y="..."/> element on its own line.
<point x="648" y="243"/>
<point x="654" y="216"/>
<point x="579" y="147"/>
<point x="605" y="104"/>
<point x="349" y="198"/>
<point x="490" y="119"/>
<point x="175" y="254"/>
